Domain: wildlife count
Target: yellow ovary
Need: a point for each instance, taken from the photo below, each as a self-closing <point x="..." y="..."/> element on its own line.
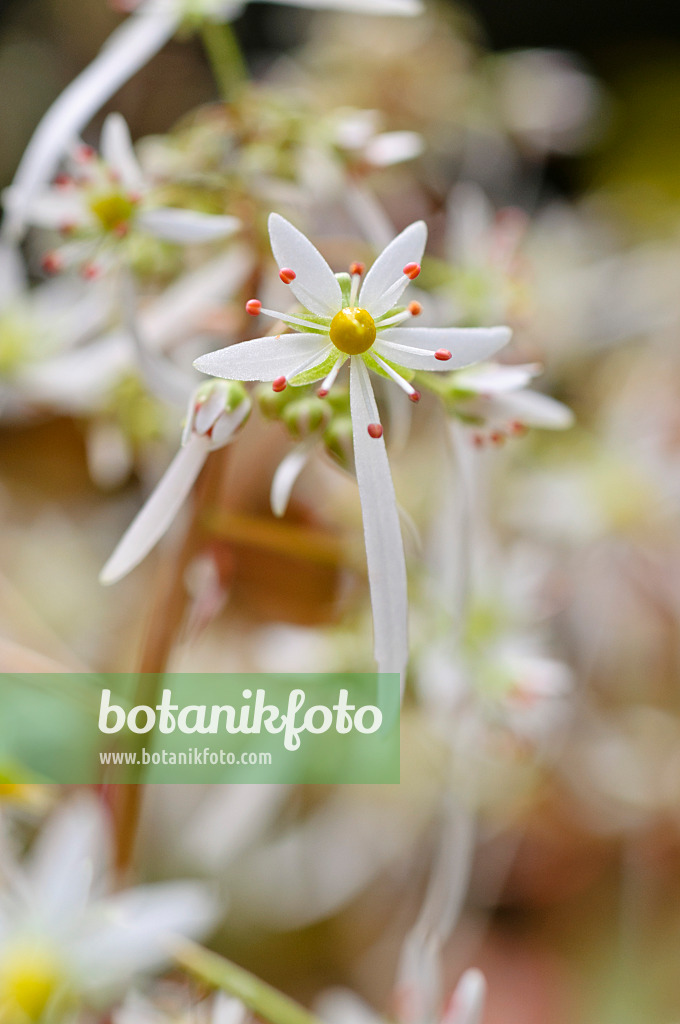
<point x="352" y="331"/>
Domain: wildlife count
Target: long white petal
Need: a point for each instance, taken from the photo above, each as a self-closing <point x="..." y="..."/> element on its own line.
<point x="262" y="358"/>
<point x="286" y="474"/>
<point x="467" y="345"/>
<point x="155" y="517"/>
<point x="408" y="247"/>
<point x="125" y="52"/>
<point x="315" y="284"/>
<point x="381" y="7"/>
<point x="393" y="148"/>
<point x="186" y="227"/>
<point x="117" y="151"/>
<point x="382" y="535"/>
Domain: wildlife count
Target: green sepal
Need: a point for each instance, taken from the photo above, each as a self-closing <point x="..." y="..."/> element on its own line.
<point x="403" y="371"/>
<point x="316" y="372"/>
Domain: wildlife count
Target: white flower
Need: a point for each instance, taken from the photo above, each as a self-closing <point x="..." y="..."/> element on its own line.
<point x="347" y="319"/>
<point x="466" y="1005"/>
<point x="65" y="937"/>
<point x="216" y="412"/>
<point x="494" y="399"/>
<point x="128" y="49"/>
<point x="101" y="204"/>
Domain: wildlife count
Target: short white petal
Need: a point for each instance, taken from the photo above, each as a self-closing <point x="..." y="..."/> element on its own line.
<point x="208" y="411"/>
<point x="382" y="535"/>
<point x="186" y="227"/>
<point x="125" y="52"/>
<point x="467" y="345"/>
<point x="315" y="284"/>
<point x="228" y="1010"/>
<point x="467" y="1004"/>
<point x="382" y="7"/>
<point x="342" y="1006"/>
<point x="262" y="358"/>
<point x="533" y="410"/>
<point x="118" y="152"/>
<point x="393" y="147"/>
<point x="494" y="378"/>
<point x="157" y="514"/>
<point x="408" y="247"/>
<point x="227" y="425"/>
<point x="286" y="474"/>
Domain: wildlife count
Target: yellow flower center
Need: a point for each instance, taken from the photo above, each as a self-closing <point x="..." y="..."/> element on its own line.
<point x="352" y="330"/>
<point x="112" y="210"/>
<point x="30" y="978"/>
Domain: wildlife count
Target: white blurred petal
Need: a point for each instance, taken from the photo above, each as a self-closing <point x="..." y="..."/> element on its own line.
<point x="533" y="410"/>
<point x="382" y="534"/>
<point x="408" y="247"/>
<point x="228" y="1010"/>
<point x="157" y="514"/>
<point x="262" y="358"/>
<point x="186" y="227"/>
<point x="118" y="152"/>
<point x="341" y="1006"/>
<point x="286" y="475"/>
<point x="57" y="207"/>
<point x="494" y="378"/>
<point x="315" y="284"/>
<point x="124" y="53"/>
<point x="382" y="7"/>
<point x="467" y="1003"/>
<point x="208" y="412"/>
<point x="227" y="424"/>
<point x="393" y="148"/>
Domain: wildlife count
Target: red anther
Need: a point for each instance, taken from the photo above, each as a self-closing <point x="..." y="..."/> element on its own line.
<point x="254" y="307"/>
<point x="375" y="429"/>
<point x="279" y="384"/>
<point x="478" y="440"/>
<point x="135" y="197"/>
<point x="322" y="392"/>
<point x="518" y="428"/>
<point x="357" y="268"/>
<point x="497" y="436"/>
<point x="415" y="396"/>
<point x="67" y="229"/>
<point x="414" y="308"/>
<point x="52" y="263"/>
<point x="442" y="354"/>
<point x="412" y="270"/>
<point x="85" y="153"/>
<point x="121" y="230"/>
<point x="90" y="271"/>
<point x="287" y="275"/>
<point x="63" y="180"/>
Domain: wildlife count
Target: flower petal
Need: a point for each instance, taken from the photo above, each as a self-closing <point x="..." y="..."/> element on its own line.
<point x="155" y="517"/>
<point x="494" y="378"/>
<point x="382" y="7"/>
<point x="467" y="1004"/>
<point x="185" y="227"/>
<point x="125" y="52"/>
<point x="286" y="474"/>
<point x="388" y="269"/>
<point x="262" y="358"/>
<point x="382" y="535"/>
<point x="54" y="208"/>
<point x="315" y="285"/>
<point x="392" y="148"/>
<point x="118" y="152"/>
<point x="532" y="409"/>
<point x="467" y="345"/>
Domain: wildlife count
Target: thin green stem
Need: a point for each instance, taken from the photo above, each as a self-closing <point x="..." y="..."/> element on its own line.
<point x="257" y="995"/>
<point x="226" y="59"/>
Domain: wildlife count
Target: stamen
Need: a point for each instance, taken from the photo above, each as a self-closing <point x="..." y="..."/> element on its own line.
<point x="497" y="437"/>
<point x="317" y="357"/>
<point x="287" y="275"/>
<point x="329" y="381"/>
<point x="254" y="307"/>
<point x="442" y="354"/>
<point x="397" y="378"/>
<point x="375" y="429"/>
<point x="412" y="270"/>
<point x="279" y="384"/>
<point x="90" y="271"/>
<point x="414" y="308"/>
<point x="357" y="268"/>
<point x="398" y="318"/>
<point x="52" y="263"/>
<point x="63" y="180"/>
<point x="518" y="429"/>
<point x="85" y="154"/>
<point x="412" y="350"/>
<point x="288" y="318"/>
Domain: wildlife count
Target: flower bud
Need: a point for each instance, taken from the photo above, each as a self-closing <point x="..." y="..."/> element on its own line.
<point x="217" y="410"/>
<point x="337" y="438"/>
<point x="305" y="415"/>
<point x="272" y="403"/>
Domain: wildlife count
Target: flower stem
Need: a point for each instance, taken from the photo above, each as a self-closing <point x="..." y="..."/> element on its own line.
<point x="225" y="56"/>
<point x="258" y="996"/>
